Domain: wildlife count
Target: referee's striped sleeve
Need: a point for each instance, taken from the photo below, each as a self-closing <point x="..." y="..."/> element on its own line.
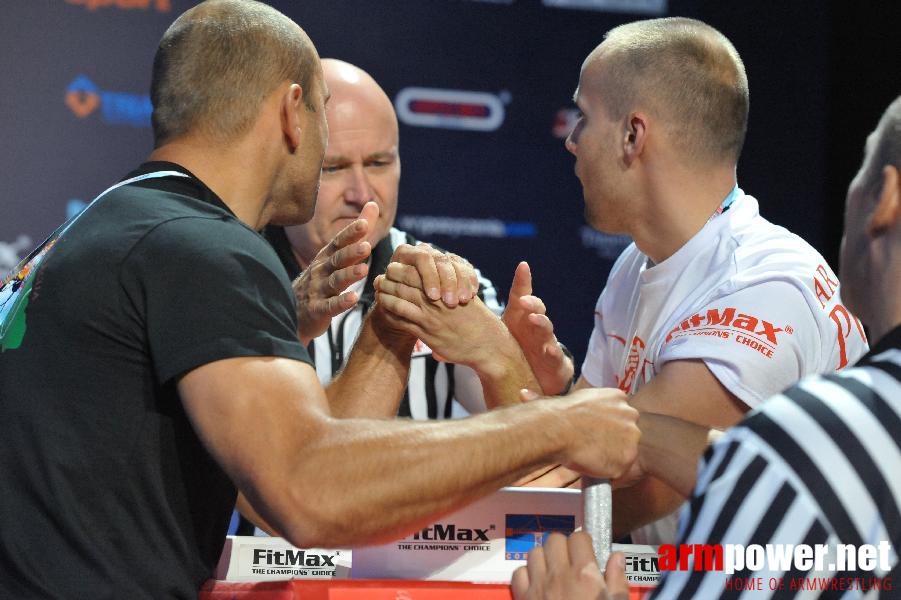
<point x="818" y="464"/>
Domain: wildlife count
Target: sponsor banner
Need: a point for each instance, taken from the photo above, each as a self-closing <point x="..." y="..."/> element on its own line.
<point x="483" y="542"/>
<point x="637" y="7"/>
<point x="642" y="568"/>
<point x="248" y="558"/>
<point x="450" y="109"/>
<point x="426" y="225"/>
<point x="162" y="6"/>
<point x="84" y="98"/>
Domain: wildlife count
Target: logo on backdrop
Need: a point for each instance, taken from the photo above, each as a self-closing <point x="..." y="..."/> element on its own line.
<point x="643" y="7"/>
<point x="451" y="109"/>
<point x="162" y="6"/>
<point x="84" y="99"/>
<point x="564" y="121"/>
<point x="607" y="246"/>
<point x="425" y="226"/>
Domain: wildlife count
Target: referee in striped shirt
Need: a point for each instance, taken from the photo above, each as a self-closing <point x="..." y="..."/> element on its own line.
<point x="818" y="465"/>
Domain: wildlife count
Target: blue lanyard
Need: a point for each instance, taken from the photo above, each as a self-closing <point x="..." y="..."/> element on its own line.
<point x="65" y="226"/>
<point x="154" y="175"/>
<point x="725" y="204"/>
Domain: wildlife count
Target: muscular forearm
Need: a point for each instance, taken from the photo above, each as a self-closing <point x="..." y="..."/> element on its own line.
<point x="373" y="381"/>
<point x="319" y="479"/>
<point x="504" y="372"/>
<point x="407" y="476"/>
<point x="668" y="453"/>
<point x="645" y="502"/>
<point x="670" y="449"/>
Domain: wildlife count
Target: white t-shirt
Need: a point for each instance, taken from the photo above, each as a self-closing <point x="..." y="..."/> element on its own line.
<point x="752" y="300"/>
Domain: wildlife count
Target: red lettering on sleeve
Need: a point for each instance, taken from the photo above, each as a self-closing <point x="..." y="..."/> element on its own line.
<point x="843" y="320"/>
<point x="826" y="287"/>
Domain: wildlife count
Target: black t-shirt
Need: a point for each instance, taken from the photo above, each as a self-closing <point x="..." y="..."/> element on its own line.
<point x="108" y="492"/>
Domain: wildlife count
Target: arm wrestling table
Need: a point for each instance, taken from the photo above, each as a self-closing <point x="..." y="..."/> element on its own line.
<point x="337" y="589"/>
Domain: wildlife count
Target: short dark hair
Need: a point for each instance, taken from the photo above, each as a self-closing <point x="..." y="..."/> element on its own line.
<point x="686" y="71"/>
<point x="218" y="61"/>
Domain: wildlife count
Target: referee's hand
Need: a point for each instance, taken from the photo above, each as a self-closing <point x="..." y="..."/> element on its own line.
<point x="565" y="569"/>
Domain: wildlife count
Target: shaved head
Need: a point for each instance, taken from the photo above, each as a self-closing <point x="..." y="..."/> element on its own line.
<point x="217" y="63"/>
<point x="683" y="70"/>
<point x="353" y="89"/>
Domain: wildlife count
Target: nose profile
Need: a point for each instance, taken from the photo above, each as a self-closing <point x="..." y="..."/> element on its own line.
<point x="569" y="144"/>
<point x="358" y="190"/>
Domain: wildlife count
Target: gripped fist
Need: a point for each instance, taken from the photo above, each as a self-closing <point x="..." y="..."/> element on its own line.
<point x="604" y="432"/>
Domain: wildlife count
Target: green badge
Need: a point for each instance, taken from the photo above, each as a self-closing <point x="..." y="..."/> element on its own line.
<point x="15" y="289"/>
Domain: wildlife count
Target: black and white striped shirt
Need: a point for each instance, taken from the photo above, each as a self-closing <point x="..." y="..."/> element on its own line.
<point x="818" y="464"/>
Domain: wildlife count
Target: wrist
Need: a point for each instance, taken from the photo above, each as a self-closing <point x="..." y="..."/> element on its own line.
<point x="387" y="336"/>
<point x="498" y="357"/>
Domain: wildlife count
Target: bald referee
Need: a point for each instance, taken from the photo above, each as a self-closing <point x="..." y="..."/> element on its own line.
<point x="818" y="465"/>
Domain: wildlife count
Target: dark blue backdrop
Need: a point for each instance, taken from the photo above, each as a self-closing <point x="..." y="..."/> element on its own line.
<point x="496" y="186"/>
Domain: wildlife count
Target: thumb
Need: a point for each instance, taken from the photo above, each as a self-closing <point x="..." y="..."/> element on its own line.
<point x="522" y="281"/>
<point x="370" y="212"/>
<point x="615" y="577"/>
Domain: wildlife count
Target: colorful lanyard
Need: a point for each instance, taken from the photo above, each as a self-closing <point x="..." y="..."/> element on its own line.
<point x="154" y="175"/>
<point x="15" y="288"/>
<point x="725" y="204"/>
<point x="65" y="226"/>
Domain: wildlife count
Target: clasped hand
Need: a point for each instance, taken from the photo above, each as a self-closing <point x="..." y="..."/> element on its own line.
<point x="467" y="332"/>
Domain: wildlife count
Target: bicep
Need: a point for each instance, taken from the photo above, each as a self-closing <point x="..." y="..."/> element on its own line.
<point x="254" y="415"/>
<point x="687" y="389"/>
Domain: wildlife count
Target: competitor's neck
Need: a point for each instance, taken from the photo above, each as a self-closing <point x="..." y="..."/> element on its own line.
<point x="234" y="174"/>
<point x="678" y="208"/>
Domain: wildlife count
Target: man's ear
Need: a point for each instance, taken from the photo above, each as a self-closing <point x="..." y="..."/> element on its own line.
<point x="888" y="207"/>
<point x="291" y="106"/>
<point x="635" y="136"/>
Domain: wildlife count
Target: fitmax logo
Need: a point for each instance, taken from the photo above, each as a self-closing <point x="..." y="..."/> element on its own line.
<point x="451" y="533"/>
<point x="291" y="558"/>
<point x="84" y="98"/>
<point x="727" y="318"/>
